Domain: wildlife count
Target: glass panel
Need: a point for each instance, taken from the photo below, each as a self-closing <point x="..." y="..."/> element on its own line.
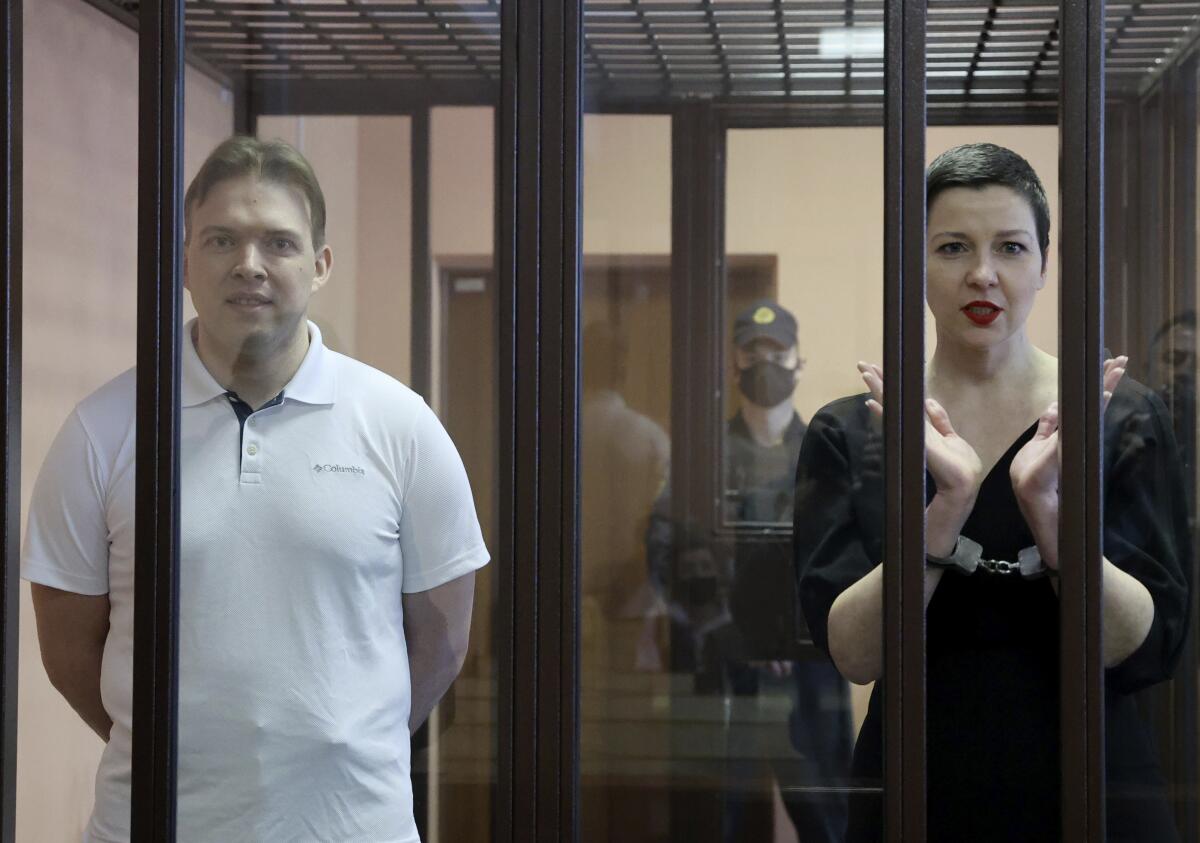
<point x="339" y="428"/>
<point x="708" y="712"/>
<point x="799" y="452"/>
<point x="1150" y="431"/>
<point x="628" y="761"/>
<point x="991" y="364"/>
<point x="80" y="252"/>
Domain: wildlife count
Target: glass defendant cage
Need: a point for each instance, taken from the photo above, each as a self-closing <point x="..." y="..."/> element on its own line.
<point x="1119" y="80"/>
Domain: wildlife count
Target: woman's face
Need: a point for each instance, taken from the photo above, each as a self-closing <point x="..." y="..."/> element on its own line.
<point x="984" y="265"/>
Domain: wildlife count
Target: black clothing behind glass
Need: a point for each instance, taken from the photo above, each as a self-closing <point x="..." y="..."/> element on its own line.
<point x="992" y="680"/>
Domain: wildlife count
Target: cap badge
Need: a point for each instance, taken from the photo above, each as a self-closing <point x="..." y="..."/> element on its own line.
<point x="764" y="316"/>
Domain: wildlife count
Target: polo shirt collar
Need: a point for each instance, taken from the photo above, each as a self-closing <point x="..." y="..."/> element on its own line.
<point x="315" y="382"/>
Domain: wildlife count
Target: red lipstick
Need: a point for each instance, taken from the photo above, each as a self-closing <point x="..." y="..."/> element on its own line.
<point x="982" y="312"/>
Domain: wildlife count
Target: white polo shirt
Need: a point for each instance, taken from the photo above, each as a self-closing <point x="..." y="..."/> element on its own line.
<point x="300" y="532"/>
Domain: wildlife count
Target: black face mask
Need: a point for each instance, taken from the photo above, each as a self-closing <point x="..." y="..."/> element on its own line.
<point x="767" y="384"/>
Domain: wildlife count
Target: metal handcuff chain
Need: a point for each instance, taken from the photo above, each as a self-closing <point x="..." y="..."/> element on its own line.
<point x="967" y="558"/>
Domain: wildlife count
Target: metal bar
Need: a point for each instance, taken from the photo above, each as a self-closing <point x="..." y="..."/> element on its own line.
<point x="571" y="728"/>
<point x="714" y="34"/>
<point x="156" y="562"/>
<point x="904" y="431"/>
<point x="1184" y="114"/>
<point x="245" y="113"/>
<point x="507" y="626"/>
<point x="781" y="37"/>
<point x="559" y="560"/>
<point x="981" y="45"/>
<point x="652" y="39"/>
<point x="1185" y="728"/>
<point x="594" y="57"/>
<point x="848" y="68"/>
<point x="697" y="140"/>
<point x="1150" y="308"/>
<point x="10" y="403"/>
<point x="360" y="97"/>
<point x="1119" y="253"/>
<point x="421" y="338"/>
<point x="697" y="306"/>
<point x="520" y="513"/>
<point x="1080" y="397"/>
<point x="1121" y="27"/>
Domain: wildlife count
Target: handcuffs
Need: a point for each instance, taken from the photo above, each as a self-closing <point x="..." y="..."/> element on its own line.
<point x="967" y="558"/>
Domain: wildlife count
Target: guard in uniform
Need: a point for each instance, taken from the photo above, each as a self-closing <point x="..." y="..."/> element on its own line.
<point x="757" y="656"/>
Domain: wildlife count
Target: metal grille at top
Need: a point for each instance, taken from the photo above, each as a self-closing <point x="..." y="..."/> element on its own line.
<point x="986" y="52"/>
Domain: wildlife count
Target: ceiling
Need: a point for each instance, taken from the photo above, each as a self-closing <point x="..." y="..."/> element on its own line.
<point x="987" y="53"/>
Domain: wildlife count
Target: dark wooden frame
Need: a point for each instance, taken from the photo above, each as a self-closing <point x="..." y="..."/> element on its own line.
<point x="539" y="270"/>
<point x="159" y="331"/>
<point x="421" y="375"/>
<point x="10" y="404"/>
<point x="1081" y="257"/>
<point x="904" y="421"/>
<point x="1151" y="271"/>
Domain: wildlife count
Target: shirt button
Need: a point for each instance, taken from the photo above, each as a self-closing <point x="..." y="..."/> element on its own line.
<point x="251" y="449"/>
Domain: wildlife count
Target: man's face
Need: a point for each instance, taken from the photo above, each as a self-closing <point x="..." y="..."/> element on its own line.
<point x="250" y="264"/>
<point x="1175" y="358"/>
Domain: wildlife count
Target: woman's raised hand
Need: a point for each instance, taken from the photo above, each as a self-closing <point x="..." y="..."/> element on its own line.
<point x="1037" y="467"/>
<point x="951" y="460"/>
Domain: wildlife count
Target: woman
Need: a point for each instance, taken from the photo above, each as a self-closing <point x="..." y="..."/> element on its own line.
<point x="992" y="456"/>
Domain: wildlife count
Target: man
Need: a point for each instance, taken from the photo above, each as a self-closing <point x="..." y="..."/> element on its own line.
<point x="328" y="548"/>
<point x="625" y="458"/>
<point x="757" y="650"/>
<point x="1173" y="366"/>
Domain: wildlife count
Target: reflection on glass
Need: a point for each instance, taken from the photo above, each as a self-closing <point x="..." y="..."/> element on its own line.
<point x="81" y="176"/>
<point x="1151" y="271"/>
<point x="708" y="714"/>
<point x="757" y="650"/>
<point x="789" y="351"/>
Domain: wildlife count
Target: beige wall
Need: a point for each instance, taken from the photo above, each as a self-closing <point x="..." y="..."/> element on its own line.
<point x="363" y="166"/>
<point x="80" y="209"/>
<point x="462" y="165"/>
<point x="626" y="184"/>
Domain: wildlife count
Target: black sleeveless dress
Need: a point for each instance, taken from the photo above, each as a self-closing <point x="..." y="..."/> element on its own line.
<point x="992" y="657"/>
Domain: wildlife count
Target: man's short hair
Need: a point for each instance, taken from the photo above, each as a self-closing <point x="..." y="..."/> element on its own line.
<point x="273" y="161"/>
<point x="978" y="165"/>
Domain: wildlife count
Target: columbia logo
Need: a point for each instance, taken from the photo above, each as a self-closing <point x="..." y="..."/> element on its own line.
<point x="330" y="468"/>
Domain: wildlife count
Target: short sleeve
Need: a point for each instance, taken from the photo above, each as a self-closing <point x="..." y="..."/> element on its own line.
<point x="440" y="537"/>
<point x="1146" y="528"/>
<point x="829" y="540"/>
<point x="66" y="539"/>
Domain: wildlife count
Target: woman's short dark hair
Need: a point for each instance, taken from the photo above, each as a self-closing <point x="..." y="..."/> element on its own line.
<point x="272" y="161"/>
<point x="979" y="165"/>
